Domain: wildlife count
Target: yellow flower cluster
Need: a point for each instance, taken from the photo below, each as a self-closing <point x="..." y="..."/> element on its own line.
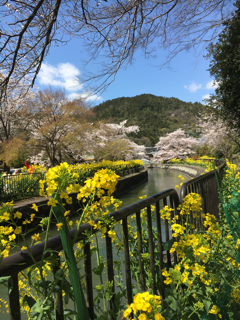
<point x="145" y="306"/>
<point x="215" y="310"/>
<point x="177" y="229"/>
<point x="194" y="251"/>
<point x="4" y="304"/>
<point x="195" y="245"/>
<point x="58" y="179"/>
<point x="208" y="165"/>
<point x="207" y="158"/>
<point x="101" y="186"/>
<point x="235" y="294"/>
<point x="106" y="164"/>
<point x="165" y="213"/>
<point x="8" y="232"/>
<point x="103" y="179"/>
<point x="37" y="169"/>
<point x="192" y="202"/>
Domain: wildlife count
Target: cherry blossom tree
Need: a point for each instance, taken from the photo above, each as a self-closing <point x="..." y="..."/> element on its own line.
<point x="175" y="145"/>
<point x="13" y="124"/>
<point x="110" y="142"/>
<point x="217" y="135"/>
<point x="56" y="123"/>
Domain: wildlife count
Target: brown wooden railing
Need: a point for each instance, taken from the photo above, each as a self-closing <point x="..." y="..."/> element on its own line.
<point x="206" y="186"/>
<point x="18" y="262"/>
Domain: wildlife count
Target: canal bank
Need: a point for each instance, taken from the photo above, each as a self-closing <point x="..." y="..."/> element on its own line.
<point x="128" y="182"/>
<point x="190" y="171"/>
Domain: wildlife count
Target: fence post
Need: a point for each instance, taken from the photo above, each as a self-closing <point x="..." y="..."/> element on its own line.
<point x="58" y="301"/>
<point x="15" y="313"/>
<point x="127" y="261"/>
<point x="88" y="275"/>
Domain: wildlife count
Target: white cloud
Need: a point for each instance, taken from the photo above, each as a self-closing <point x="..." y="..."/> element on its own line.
<point x="65" y="75"/>
<point x="193" y="87"/>
<point x="206" y="96"/>
<point x="211" y="85"/>
<point x="85" y="96"/>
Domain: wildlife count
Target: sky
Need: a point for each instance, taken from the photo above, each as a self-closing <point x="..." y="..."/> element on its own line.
<point x="187" y="79"/>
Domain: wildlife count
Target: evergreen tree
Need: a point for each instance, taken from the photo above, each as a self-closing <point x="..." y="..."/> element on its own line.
<point x="225" y="67"/>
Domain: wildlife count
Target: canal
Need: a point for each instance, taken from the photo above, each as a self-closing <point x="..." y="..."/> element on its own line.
<point x="158" y="180"/>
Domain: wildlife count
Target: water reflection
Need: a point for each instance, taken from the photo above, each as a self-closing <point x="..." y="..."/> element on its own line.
<point x="158" y="180"/>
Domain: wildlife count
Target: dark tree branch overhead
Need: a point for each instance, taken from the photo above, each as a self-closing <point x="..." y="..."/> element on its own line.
<point x="112" y="31"/>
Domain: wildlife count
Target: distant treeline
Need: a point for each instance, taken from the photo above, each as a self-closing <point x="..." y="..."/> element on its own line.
<point x="154" y="115"/>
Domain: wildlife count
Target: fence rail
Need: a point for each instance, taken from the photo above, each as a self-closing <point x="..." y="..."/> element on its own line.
<point x="17" y="262"/>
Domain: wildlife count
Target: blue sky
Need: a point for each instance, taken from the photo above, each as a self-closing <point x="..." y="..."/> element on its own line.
<point x="187" y="80"/>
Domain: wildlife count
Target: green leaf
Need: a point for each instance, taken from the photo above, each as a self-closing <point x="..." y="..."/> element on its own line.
<point x="207" y="304"/>
<point x="66" y="287"/>
<point x="47" y="283"/>
<point x="112" y="313"/>
<point x="93" y="250"/>
<point x="49" y="251"/>
<point x="120" y="284"/>
<point x="96" y="300"/>
<point x="69" y="312"/>
<point x="172" y="303"/>
<point x="10" y="285"/>
<point x="4" y="279"/>
<point x="59" y="275"/>
<point x="39" y="309"/>
<point x="30" y="301"/>
<point x="29" y="274"/>
<point x="136" y="291"/>
<point x="57" y="289"/>
<point x="99" y="269"/>
<point x="168" y="245"/>
<point x="108" y="295"/>
<point x="103" y="317"/>
<point x="9" y="280"/>
<point x="169" y="314"/>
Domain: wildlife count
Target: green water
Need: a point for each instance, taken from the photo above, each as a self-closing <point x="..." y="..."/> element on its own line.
<point x="158" y="180"/>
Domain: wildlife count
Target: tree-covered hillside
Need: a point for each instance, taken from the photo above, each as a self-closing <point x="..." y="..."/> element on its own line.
<point x="155" y="116"/>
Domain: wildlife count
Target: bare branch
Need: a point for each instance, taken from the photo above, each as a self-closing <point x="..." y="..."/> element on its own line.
<point x="112" y="31"/>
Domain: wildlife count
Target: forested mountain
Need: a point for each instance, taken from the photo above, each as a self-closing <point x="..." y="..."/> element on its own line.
<point x="155" y="116"/>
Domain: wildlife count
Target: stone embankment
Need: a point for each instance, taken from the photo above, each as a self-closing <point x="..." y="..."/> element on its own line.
<point x="191" y="171"/>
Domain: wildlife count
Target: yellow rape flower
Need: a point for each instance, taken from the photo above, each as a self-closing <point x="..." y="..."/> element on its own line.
<point x="34" y="207"/>
<point x="59" y="225"/>
<point x="17" y="215"/>
<point x="18" y="230"/>
<point x="112" y="234"/>
<point x="52" y="202"/>
<point x="36" y="237"/>
<point x="66" y="213"/>
<point x="11" y="237"/>
<point x="214" y="310"/>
